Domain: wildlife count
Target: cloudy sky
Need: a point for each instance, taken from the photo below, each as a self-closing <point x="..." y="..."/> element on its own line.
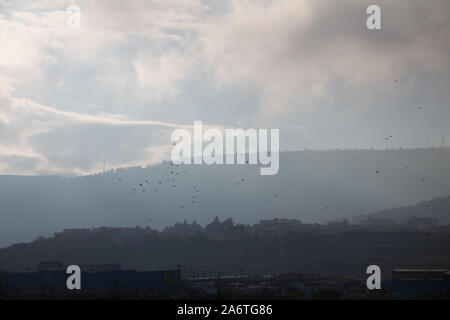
<point x="114" y="89"/>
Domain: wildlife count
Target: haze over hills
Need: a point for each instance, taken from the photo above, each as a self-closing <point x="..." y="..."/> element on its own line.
<point x="438" y="208"/>
<point x="276" y="245"/>
<point x="313" y="186"/>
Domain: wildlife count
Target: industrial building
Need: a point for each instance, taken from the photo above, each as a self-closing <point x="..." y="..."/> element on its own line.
<point x="415" y="282"/>
<point x="97" y="278"/>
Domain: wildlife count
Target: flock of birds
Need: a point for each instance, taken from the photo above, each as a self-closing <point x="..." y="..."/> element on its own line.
<point x="171" y="180"/>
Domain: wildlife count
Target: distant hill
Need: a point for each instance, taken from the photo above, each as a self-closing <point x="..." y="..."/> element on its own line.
<point x="438" y="208"/>
<point x="313" y="186"/>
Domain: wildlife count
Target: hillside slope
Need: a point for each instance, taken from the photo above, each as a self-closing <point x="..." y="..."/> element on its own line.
<point x="314" y="186"/>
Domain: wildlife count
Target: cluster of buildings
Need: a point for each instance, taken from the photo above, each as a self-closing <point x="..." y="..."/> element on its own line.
<point x="223" y="230"/>
<point x="404" y="283"/>
<point x="227" y="230"/>
<point x="109" y="280"/>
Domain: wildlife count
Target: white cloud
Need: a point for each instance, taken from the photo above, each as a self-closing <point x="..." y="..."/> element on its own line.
<point x="275" y="63"/>
<point x="159" y="77"/>
<point x="64" y="142"/>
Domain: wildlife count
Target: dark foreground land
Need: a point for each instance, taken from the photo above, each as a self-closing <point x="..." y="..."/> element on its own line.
<point x="316" y="263"/>
<point x="346" y="252"/>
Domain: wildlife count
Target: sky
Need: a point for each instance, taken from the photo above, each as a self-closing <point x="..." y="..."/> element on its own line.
<point x="112" y="91"/>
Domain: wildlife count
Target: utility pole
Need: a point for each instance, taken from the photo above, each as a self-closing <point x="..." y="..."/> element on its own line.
<point x="443" y="142"/>
<point x="280" y="239"/>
